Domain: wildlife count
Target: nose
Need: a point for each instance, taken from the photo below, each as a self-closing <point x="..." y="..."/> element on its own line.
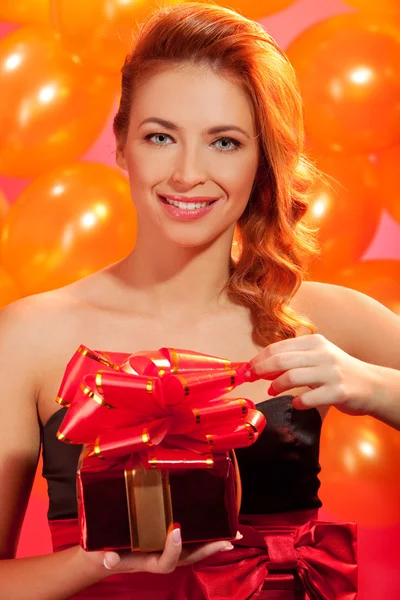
<point x="189" y="168"/>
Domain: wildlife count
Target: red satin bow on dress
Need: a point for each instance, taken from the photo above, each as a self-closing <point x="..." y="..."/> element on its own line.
<point x="322" y="553"/>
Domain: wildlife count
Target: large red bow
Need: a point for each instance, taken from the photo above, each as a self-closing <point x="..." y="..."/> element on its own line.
<point x="322" y="553"/>
<point x="165" y="405"/>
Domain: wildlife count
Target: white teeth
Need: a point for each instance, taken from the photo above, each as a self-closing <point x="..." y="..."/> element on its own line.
<point x="187" y="205"/>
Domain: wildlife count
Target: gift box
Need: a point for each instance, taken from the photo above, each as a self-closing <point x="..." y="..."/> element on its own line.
<point x="157" y="439"/>
<point x="130" y="507"/>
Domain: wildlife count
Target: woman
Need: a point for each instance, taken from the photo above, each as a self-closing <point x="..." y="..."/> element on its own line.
<point x="210" y="131"/>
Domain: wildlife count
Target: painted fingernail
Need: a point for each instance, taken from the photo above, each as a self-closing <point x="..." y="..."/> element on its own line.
<point x="176" y="535"/>
<point x="271" y="390"/>
<point x="298" y="403"/>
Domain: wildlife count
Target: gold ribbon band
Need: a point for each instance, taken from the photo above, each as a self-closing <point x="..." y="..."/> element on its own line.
<point x="149" y="508"/>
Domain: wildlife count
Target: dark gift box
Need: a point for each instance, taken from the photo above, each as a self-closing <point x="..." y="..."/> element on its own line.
<point x="125" y="506"/>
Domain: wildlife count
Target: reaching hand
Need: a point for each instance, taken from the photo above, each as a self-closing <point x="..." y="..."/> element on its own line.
<point x="335" y="377"/>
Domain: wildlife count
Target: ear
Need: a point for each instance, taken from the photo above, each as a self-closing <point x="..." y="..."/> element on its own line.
<point x="120" y="158"/>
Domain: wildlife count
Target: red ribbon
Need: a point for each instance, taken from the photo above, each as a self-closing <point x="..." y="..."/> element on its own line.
<point x="165" y="405"/>
<point x="322" y="553"/>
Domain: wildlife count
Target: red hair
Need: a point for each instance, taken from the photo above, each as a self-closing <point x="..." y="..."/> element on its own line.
<point x="276" y="246"/>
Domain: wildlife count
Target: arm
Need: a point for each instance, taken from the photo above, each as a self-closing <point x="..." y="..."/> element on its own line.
<point x="385" y="404"/>
<point x="353" y="362"/>
<point x="44" y="577"/>
<point x="369" y="331"/>
<point x="54" y="576"/>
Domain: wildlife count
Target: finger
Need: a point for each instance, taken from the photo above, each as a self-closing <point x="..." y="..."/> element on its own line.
<point x="249" y="376"/>
<point x="273" y="367"/>
<point x="307" y="376"/>
<point x="154" y="562"/>
<point x="172" y="552"/>
<point x="202" y="552"/>
<point x="312" y="399"/>
<point x="303" y="342"/>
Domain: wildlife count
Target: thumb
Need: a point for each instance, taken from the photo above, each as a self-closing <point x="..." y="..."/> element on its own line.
<point x="111" y="560"/>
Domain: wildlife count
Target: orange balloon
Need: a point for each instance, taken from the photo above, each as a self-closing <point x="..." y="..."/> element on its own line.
<point x="53" y="110"/>
<point x="8" y="289"/>
<point x="359" y="458"/>
<point x="347" y="212"/>
<point x="257" y="8"/>
<point x="377" y="278"/>
<point x="25" y="11"/>
<point x="382" y="7"/>
<point x="100" y="31"/>
<point x="349" y="72"/>
<point x="4" y="208"/>
<point x="387" y="169"/>
<point x="66" y="224"/>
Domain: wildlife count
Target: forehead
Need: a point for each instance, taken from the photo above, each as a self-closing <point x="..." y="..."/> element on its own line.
<point x="192" y="94"/>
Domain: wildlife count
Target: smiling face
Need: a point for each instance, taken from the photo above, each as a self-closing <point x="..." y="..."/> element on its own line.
<point x="191" y="135"/>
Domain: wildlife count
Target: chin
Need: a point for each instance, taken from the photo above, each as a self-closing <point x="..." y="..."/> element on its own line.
<point x="192" y="241"/>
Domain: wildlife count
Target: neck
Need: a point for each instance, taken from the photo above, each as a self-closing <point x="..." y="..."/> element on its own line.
<point x="168" y="280"/>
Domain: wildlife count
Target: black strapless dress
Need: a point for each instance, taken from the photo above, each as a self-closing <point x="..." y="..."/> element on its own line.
<point x="279" y="472"/>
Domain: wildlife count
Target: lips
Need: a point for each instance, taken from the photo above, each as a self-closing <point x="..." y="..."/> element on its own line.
<point x="184" y="205"/>
<point x="189" y="199"/>
<point x="180" y="210"/>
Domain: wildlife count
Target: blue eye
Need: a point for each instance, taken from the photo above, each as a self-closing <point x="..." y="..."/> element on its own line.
<point x="151" y="135"/>
<point x="234" y="144"/>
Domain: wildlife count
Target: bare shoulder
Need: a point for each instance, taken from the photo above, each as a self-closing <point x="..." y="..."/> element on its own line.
<point x="43" y="331"/>
<point x="23" y="324"/>
<point x="357" y="323"/>
<point x="34" y="326"/>
<point x="33" y="316"/>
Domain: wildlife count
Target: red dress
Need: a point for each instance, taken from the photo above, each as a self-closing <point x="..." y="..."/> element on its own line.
<point x="289" y="556"/>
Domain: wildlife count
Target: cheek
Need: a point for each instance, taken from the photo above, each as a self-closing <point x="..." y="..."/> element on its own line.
<point x="241" y="183"/>
<point x="145" y="167"/>
<point x="242" y="171"/>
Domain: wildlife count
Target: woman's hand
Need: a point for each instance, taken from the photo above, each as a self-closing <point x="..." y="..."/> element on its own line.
<point x="335" y="377"/>
<point x="165" y="562"/>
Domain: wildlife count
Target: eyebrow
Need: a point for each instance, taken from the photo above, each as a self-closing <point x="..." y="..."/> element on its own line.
<point x="212" y="130"/>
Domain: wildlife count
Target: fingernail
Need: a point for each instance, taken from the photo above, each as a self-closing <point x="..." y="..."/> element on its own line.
<point x="113" y="560"/>
<point x="229" y="547"/>
<point x="176" y="535"/>
<point x="297" y="403"/>
<point x="271" y="390"/>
